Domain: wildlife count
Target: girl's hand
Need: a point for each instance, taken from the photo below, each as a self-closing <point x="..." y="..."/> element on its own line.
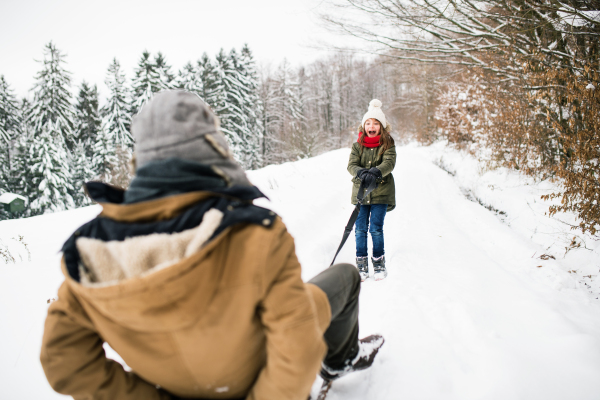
<point x="376" y="172"/>
<point x="361" y="173"/>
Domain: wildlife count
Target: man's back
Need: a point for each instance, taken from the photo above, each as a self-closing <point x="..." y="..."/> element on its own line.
<point x="194" y="319"/>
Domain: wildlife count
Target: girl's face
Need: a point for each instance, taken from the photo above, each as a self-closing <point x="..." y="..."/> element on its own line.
<point x="372" y="127"/>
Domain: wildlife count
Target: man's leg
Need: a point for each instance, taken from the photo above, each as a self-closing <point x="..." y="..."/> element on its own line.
<point x="341" y="284"/>
<point x="360" y="231"/>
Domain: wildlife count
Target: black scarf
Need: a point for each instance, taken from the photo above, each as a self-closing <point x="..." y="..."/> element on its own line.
<point x="175" y="176"/>
<point x="167" y="178"/>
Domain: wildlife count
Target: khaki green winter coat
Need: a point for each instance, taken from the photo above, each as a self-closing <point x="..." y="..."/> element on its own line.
<point x="385" y="193"/>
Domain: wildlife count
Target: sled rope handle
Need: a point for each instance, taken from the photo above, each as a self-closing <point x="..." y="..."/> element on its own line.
<point x="360" y="197"/>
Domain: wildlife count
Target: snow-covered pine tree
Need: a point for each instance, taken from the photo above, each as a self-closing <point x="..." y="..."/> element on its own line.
<point x="10" y="123"/>
<point x="50" y="175"/>
<point x="237" y="96"/>
<point x="104" y="161"/>
<point x="51" y="108"/>
<point x="251" y="108"/>
<point x="167" y="79"/>
<point x="205" y="70"/>
<point x="190" y="80"/>
<point x="146" y="82"/>
<point x="21" y="177"/>
<point x="9" y="112"/>
<point x="51" y="121"/>
<point x="223" y="103"/>
<point x="217" y="99"/>
<point x="88" y="125"/>
<point x="114" y="149"/>
<point x="82" y="171"/>
<point x="87" y="117"/>
<point x="116" y="119"/>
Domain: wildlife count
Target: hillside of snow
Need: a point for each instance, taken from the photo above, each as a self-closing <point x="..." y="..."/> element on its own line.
<point x="486" y="297"/>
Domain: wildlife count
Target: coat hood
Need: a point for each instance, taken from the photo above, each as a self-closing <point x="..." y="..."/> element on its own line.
<point x="136" y="263"/>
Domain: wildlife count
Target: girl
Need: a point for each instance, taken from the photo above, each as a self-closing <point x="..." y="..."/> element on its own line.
<point x="373" y="156"/>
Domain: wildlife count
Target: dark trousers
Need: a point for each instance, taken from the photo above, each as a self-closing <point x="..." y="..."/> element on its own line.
<point x="341" y="283"/>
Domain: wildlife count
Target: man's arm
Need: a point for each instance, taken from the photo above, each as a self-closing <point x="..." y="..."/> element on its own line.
<point x="295" y="345"/>
<point x="74" y="361"/>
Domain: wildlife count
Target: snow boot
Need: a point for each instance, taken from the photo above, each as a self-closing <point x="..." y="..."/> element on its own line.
<point x="367" y="350"/>
<point x="379" y="271"/>
<point x="363" y="267"/>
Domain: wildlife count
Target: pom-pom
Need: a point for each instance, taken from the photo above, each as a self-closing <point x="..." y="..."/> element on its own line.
<point x="374" y="103"/>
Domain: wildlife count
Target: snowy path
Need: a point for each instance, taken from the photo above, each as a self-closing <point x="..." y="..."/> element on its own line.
<point x="465" y="311"/>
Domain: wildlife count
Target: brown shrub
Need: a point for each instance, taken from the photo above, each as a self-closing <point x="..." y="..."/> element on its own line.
<point x="578" y="133"/>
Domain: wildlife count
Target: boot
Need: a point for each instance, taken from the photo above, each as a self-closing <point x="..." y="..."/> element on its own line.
<point x="363" y="267"/>
<point x="379" y="271"/>
<point x="367" y="350"/>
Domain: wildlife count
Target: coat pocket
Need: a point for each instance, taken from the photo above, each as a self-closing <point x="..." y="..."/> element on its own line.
<point x="381" y="188"/>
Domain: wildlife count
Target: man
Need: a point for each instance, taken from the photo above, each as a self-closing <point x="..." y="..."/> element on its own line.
<point x="197" y="289"/>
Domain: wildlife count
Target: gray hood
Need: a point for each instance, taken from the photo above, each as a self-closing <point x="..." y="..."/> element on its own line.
<point x="176" y="123"/>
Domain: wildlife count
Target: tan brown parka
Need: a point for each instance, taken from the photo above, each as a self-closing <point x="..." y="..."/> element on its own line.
<point x="232" y="320"/>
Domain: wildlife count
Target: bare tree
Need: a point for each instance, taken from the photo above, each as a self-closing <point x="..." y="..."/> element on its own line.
<point x="527" y="88"/>
<point x="465" y="32"/>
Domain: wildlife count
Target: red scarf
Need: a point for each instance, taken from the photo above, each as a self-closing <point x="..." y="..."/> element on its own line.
<point x="369" y="142"/>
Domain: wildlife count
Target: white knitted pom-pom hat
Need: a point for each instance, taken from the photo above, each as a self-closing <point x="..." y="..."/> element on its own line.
<point x="375" y="112"/>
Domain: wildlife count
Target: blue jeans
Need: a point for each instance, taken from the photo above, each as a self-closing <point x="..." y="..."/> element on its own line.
<point x="376" y="212"/>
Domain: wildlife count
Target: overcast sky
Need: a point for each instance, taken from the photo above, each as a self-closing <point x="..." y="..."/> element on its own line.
<point x="91" y="33"/>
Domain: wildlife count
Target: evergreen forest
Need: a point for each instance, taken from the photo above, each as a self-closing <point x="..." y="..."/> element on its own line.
<point x="515" y="83"/>
<point x="62" y="136"/>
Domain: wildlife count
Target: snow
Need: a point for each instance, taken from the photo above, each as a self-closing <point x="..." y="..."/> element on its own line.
<point x="465" y="311"/>
<point x="25" y="288"/>
<point x="579" y="17"/>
